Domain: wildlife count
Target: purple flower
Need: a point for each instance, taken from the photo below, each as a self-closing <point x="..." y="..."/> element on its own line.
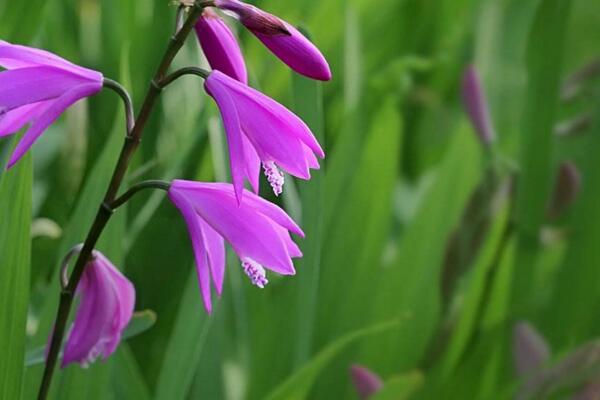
<point x="36" y="88"/>
<point x="220" y="46"/>
<point x="477" y="107"/>
<point x="261" y="130"/>
<point x="106" y="307"/>
<point x="285" y="41"/>
<point x="366" y="382"/>
<point x="258" y="231"/>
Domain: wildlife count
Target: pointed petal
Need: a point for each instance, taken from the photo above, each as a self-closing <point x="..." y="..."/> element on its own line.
<point x="30" y="85"/>
<point x="17" y="118"/>
<point x="250" y="233"/>
<point x="15" y="56"/>
<point x="220" y="46"/>
<point x="268" y="209"/>
<point x="195" y="231"/>
<point x="95" y="312"/>
<point x="233" y="130"/>
<point x="50" y="115"/>
<point x="252" y="164"/>
<point x="215" y="250"/>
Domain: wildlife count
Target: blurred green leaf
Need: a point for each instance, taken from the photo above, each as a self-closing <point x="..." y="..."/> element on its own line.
<point x="15" y="247"/>
<point x="308" y="104"/>
<point x="400" y="387"/>
<point x="297" y="386"/>
<point x="185" y="344"/>
<point x="411" y="287"/>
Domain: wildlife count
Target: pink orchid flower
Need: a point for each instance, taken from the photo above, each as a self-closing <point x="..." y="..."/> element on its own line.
<point x="261" y="130"/>
<point x="106" y="307"/>
<point x="258" y="232"/>
<point x="36" y="88"/>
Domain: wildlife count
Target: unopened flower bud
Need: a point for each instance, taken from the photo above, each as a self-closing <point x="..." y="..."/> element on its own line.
<point x="366" y="382"/>
<point x="530" y="349"/>
<point x="476" y="106"/>
<point x="566" y="189"/>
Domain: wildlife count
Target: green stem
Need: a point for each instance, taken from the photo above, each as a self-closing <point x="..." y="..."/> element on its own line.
<point x="132" y="141"/>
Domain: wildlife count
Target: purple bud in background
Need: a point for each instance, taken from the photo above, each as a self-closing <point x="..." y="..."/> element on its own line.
<point x="220" y="46"/>
<point x="530" y="350"/>
<point x="566" y="189"/>
<point x="366" y="382"/>
<point x="285" y="41"/>
<point x="106" y="307"/>
<point x="476" y="106"/>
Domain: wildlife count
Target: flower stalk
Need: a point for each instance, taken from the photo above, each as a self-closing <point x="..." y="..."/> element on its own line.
<point x="105" y="210"/>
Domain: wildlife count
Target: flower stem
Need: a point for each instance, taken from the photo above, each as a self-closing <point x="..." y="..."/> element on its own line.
<point x="153" y="184"/>
<point x="105" y="210"/>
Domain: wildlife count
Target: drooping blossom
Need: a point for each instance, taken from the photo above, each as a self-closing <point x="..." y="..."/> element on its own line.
<point x="36" y="88"/>
<point x="259" y="130"/>
<point x="105" y="309"/>
<point x="258" y="232"/>
<point x="366" y="382"/>
<point x="285" y="41"/>
<point x="477" y="107"/>
<point x="220" y="46"/>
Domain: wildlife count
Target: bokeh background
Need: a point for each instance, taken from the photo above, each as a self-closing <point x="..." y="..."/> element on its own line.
<point x="430" y="259"/>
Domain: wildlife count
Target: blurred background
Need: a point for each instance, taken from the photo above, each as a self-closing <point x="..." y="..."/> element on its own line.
<point x="450" y="268"/>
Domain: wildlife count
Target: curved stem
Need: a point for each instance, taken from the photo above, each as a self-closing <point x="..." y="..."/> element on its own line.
<point x="104" y="213"/>
<point x="122" y="92"/>
<point x="182" y="72"/>
<point x="153" y="184"/>
<point x="64" y="265"/>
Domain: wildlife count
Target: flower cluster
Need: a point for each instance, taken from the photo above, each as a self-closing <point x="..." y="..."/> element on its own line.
<point x="37" y="86"/>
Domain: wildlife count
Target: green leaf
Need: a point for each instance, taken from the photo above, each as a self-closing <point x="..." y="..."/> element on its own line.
<point x="465" y="326"/>
<point x="400" y="387"/>
<point x="308" y="104"/>
<point x="410" y="288"/>
<point x="297" y="386"/>
<point x="185" y="344"/>
<point x="544" y="61"/>
<point x="127" y="379"/>
<point x="15" y="248"/>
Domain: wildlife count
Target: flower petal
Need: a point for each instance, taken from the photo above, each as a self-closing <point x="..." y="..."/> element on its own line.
<point x="17" y="118"/>
<point x="250" y="233"/>
<point x="252" y="161"/>
<point x="215" y="250"/>
<point x="195" y="231"/>
<point x="299" y="53"/>
<point x="220" y="46"/>
<point x="15" y="56"/>
<point x="33" y="84"/>
<point x="50" y="114"/>
<point x="233" y="130"/>
<point x="268" y="209"/>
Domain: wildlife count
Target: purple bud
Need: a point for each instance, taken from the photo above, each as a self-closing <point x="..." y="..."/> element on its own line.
<point x="530" y="349"/>
<point x="366" y="382"/>
<point x="285" y="41"/>
<point x="476" y="105"/>
<point x="220" y="46"/>
<point x="566" y="188"/>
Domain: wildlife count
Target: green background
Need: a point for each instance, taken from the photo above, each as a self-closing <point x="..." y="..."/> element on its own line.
<point x="423" y="247"/>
